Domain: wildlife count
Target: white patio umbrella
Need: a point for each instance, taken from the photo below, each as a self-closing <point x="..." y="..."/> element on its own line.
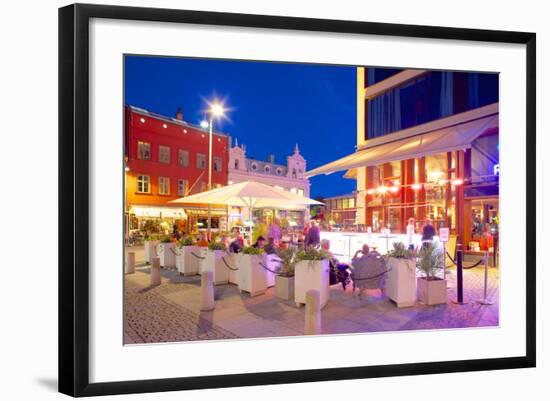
<point x="250" y="194"/>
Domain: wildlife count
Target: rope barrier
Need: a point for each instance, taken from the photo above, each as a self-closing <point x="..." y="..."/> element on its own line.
<point x="198" y="256"/>
<point x="227" y="265"/>
<point x="175" y="253"/>
<point x="269" y="270"/>
<point x="370" y="278"/>
<point x="465" y="267"/>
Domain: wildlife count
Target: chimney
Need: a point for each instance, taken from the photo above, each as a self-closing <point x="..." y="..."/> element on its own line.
<point x="179" y="114"/>
<point x="271" y="158"/>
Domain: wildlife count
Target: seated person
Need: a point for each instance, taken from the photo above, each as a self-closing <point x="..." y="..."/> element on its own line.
<point x="364" y="252"/>
<point x="260" y="242"/>
<point x="203" y="241"/>
<point x="237" y="244"/>
<point x="272" y="246"/>
<point x="338" y="271"/>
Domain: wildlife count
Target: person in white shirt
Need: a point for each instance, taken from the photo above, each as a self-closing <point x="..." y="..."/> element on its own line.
<point x="410" y="233"/>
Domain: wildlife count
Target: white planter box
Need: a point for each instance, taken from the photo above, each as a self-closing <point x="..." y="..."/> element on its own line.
<point x="252" y="277"/>
<point x="273" y="263"/>
<point x="149" y="250"/>
<point x="284" y="287"/>
<point x="167" y="254"/>
<point x="311" y="275"/>
<point x="432" y="292"/>
<point x="401" y="282"/>
<point x="186" y="262"/>
<point x="213" y="262"/>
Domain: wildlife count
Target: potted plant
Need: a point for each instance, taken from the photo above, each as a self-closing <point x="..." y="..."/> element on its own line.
<point x="432" y="290"/>
<point x="213" y="262"/>
<point x="311" y="271"/>
<point x="166" y="250"/>
<point x="150" y="248"/>
<point x="284" y="281"/>
<point x="401" y="280"/>
<point x="186" y="257"/>
<point x="252" y="275"/>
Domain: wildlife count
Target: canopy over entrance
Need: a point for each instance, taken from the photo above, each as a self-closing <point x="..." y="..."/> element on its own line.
<point x="456" y="137"/>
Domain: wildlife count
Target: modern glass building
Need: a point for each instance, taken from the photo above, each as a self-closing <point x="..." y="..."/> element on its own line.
<point x="427" y="147"/>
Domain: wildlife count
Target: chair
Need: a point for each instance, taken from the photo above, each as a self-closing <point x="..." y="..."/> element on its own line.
<point x="369" y="272"/>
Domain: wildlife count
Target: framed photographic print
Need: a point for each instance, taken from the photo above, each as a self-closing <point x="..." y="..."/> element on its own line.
<point x="250" y="199"/>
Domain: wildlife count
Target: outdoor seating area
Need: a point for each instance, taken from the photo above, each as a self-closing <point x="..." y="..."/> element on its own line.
<point x="248" y="304"/>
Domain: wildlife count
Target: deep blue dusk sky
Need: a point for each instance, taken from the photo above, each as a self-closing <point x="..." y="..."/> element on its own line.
<point x="273" y="106"/>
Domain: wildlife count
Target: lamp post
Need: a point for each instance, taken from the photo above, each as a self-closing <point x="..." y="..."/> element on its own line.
<point x="216" y="110"/>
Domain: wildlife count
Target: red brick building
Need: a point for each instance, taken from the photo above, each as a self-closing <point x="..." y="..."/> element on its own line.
<point x="167" y="158"/>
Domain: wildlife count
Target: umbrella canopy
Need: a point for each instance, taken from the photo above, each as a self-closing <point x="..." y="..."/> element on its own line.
<point x="250" y="194"/>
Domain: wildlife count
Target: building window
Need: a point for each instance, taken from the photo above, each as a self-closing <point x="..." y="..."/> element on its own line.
<point x="144" y="150"/>
<point x="300" y="192"/>
<point x="351" y="203"/>
<point x="293" y="173"/>
<point x="182" y="187"/>
<point x="164" y="154"/>
<point x="183" y="158"/>
<point x="217" y="163"/>
<point x="267" y="169"/>
<point x="143" y="184"/>
<point x="201" y="161"/>
<point x="279" y="171"/>
<point x="254" y="166"/>
<point x="236" y="164"/>
<point x="429" y="97"/>
<point x="164" y="186"/>
<point x="293" y="190"/>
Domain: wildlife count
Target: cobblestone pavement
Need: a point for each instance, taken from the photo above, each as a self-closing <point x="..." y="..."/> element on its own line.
<point x="152" y="318"/>
<point x="171" y="311"/>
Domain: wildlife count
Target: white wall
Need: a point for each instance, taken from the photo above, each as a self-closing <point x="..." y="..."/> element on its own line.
<point x="29" y="107"/>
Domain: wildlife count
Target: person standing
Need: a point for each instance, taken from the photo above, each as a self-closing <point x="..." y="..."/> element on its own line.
<point x="313" y="237"/>
<point x="274" y="231"/>
<point x="428" y="232"/>
<point x="410" y="234"/>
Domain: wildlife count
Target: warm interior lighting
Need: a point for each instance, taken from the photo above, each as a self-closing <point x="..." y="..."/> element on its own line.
<point x="416" y="186"/>
<point x="382" y="189"/>
<point x="394" y="189"/>
<point x="126" y="168"/>
<point x="142" y="119"/>
<point x="164" y="126"/>
<point x="371" y="191"/>
<point x="457" y="181"/>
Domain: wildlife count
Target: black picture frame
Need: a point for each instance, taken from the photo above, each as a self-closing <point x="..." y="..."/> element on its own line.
<point x="74" y="198"/>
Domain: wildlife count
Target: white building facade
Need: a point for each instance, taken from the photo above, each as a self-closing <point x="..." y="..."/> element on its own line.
<point x="289" y="177"/>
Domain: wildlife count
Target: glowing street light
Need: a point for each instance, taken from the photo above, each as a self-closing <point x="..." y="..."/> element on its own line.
<point x="216" y="110"/>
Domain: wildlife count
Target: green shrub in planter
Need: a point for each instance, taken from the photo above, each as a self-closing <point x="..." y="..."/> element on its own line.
<point x="399" y="251"/>
<point x="311" y="253"/>
<point x="430" y="261"/>
<point x="216" y="246"/>
<point x="166" y="240"/>
<point x="187" y="241"/>
<point x="287" y="262"/>
<point x="250" y="250"/>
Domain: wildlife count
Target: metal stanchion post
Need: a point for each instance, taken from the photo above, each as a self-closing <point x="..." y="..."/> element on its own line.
<point x="459" y="277"/>
<point x="484" y="300"/>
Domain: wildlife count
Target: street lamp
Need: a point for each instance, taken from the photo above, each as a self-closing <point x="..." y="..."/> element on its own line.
<point x="216" y="110"/>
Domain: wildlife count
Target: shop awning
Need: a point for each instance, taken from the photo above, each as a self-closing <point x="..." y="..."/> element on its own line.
<point x="155" y="211"/>
<point x="447" y="139"/>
